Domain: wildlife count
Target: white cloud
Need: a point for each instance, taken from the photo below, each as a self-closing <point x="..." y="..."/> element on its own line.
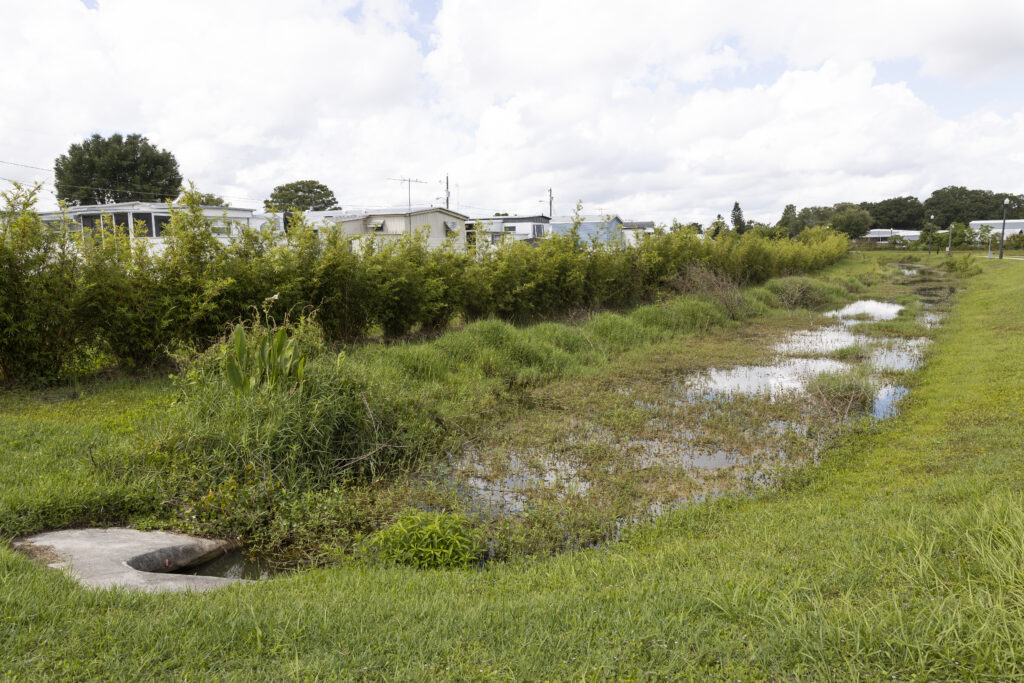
<point x="627" y="106"/>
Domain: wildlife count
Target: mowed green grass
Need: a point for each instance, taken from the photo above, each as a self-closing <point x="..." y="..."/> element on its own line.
<point x="75" y="455"/>
<point x="901" y="556"/>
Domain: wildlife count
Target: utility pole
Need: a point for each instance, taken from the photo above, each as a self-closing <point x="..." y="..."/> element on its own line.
<point x="408" y="182"/>
<point x="1002" y="235"/>
<point x="447" y="192"/>
<point x="551" y="204"/>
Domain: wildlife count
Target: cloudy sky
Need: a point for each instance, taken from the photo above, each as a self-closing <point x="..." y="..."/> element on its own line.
<point x="651" y="109"/>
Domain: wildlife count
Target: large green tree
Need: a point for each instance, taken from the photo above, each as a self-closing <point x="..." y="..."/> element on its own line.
<point x="852" y="220"/>
<point x="116" y="169"/>
<point x="957" y="204"/>
<point x="897" y="213"/>
<point x="305" y="195"/>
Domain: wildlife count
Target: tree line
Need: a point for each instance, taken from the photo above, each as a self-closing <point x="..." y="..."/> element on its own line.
<point x="121" y="168"/>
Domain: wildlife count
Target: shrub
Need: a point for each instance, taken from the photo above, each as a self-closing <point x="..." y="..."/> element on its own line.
<point x="802" y="292"/>
<point x="332" y="425"/>
<point x="962" y="266"/>
<point x="841" y="395"/>
<point x="39" y="280"/>
<point x="428" y="540"/>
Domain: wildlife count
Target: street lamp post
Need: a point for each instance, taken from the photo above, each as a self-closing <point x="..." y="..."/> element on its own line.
<point x="931" y="229"/>
<point x="1002" y="236"/>
<point x="949" y="247"/>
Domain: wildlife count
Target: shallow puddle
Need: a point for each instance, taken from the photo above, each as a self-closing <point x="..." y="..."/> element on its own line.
<point x="658" y="453"/>
<point x="899" y="356"/>
<point x="868" y="309"/>
<point x="886" y="401"/>
<point x="785" y="377"/>
<point x="234" y="565"/>
<point x="509" y="493"/>
<point x="824" y="340"/>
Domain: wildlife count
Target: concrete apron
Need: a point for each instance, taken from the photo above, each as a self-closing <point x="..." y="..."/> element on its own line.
<point x="105" y="558"/>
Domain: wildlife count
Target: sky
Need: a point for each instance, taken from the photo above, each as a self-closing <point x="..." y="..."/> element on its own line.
<point x="649" y="109"/>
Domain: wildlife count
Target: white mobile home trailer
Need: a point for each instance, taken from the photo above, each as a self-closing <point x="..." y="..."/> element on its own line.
<point x="143" y="219"/>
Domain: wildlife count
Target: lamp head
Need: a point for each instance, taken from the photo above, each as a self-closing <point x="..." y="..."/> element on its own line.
<point x="1006" y="201"/>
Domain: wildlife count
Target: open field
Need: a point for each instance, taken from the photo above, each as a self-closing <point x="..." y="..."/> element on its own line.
<point x="898" y="555"/>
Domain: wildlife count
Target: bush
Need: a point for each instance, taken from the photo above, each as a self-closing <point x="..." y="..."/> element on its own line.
<point x="802" y="292"/>
<point x="428" y="540"/>
<point x="40" y="275"/>
<point x="315" y="428"/>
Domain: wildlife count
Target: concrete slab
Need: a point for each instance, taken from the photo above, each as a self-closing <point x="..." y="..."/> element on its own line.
<point x="104" y="558"/>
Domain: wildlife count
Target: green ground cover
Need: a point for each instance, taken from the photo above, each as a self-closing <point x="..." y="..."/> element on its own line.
<point x="898" y="557"/>
<point x="196" y="457"/>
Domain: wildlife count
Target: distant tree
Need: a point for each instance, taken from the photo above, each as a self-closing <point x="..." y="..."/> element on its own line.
<point x="765" y="230"/>
<point x="898" y="213"/>
<point x="692" y="226"/>
<point x="501" y="214"/>
<point x="738" y="224"/>
<point x="963" y="236"/>
<point x="717" y="227"/>
<point x="853" y="221"/>
<point x="208" y="199"/>
<point x="116" y="169"/>
<point x="811" y="216"/>
<point x="789" y="222"/>
<point x="304" y="195"/>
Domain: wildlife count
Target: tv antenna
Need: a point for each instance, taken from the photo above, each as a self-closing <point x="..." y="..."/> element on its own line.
<point x="408" y="183"/>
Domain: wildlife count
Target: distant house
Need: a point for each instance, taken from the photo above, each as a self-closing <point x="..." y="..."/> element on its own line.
<point x="148" y="219"/>
<point x="632" y="230"/>
<point x="1013" y="227"/>
<point x="497" y="229"/>
<point x="597" y="227"/>
<point x="885" y="235"/>
<point x="437" y="223"/>
<point x="143" y="219"/>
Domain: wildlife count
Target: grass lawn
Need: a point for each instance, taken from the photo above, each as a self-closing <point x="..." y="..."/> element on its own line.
<point x="900" y="556"/>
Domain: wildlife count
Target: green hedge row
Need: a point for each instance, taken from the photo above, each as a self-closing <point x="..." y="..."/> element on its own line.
<point x="66" y="297"/>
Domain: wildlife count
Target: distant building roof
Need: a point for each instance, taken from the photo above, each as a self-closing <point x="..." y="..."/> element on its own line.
<point x="524" y="219"/>
<point x="351" y="215"/>
<point x="638" y="225"/>
<point x="592" y="218"/>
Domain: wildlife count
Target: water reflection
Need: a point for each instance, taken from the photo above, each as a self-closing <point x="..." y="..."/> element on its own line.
<point x="886" y="400"/>
<point x="787" y="376"/>
<point x="868" y="308"/>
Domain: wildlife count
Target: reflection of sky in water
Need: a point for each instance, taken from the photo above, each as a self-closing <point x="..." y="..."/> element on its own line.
<point x="785" y="377"/>
<point x="875" y="310"/>
<point x="886" y="401"/>
<point x="823" y="340"/>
